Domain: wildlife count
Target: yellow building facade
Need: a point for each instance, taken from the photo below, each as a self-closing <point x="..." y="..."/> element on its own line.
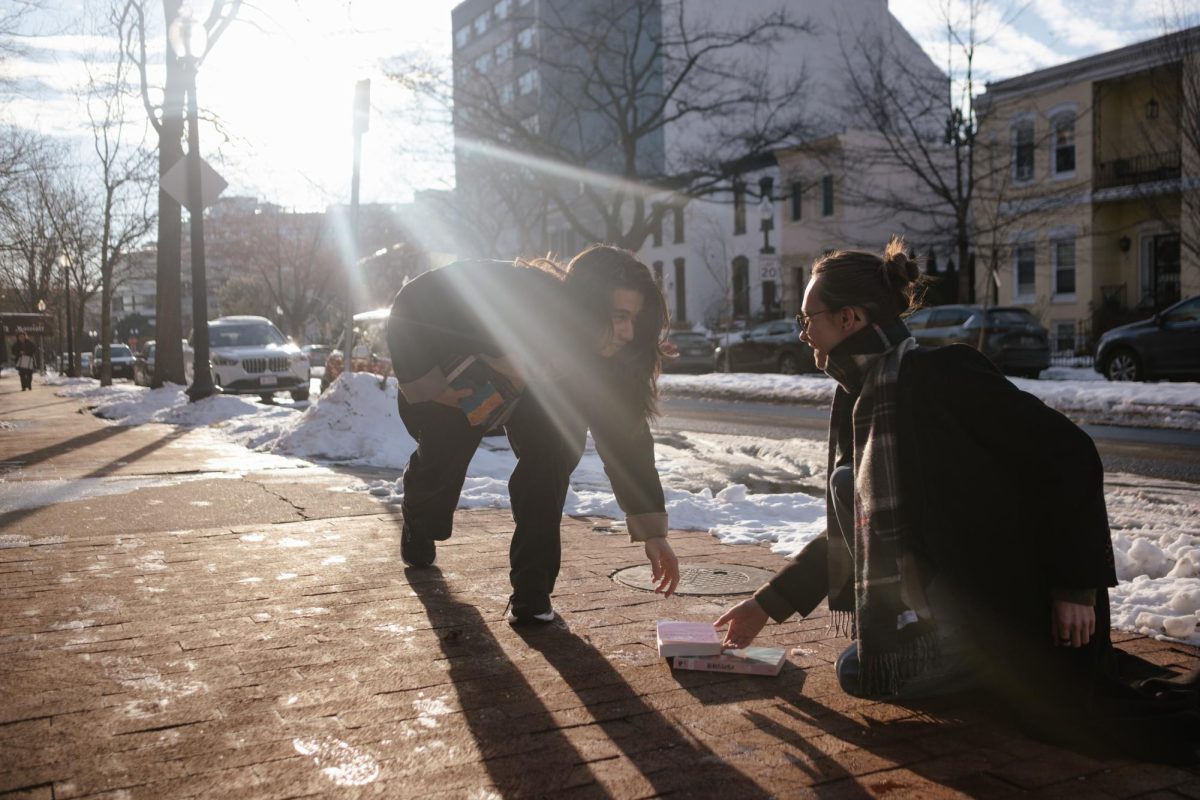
<point x="1084" y="213"/>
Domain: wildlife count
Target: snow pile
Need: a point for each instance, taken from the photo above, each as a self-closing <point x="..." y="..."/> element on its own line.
<point x="1156" y="544"/>
<point x="127" y="404"/>
<point x="354" y="422"/>
<point x="1156" y="405"/>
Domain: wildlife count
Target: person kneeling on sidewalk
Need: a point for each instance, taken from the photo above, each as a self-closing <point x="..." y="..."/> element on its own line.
<point x="579" y="349"/>
<point x="967" y="541"/>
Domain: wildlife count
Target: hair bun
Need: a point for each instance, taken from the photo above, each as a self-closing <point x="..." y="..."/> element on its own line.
<point x="899" y="269"/>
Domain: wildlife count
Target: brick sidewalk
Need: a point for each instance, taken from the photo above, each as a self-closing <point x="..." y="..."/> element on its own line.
<point x="293" y="658"/>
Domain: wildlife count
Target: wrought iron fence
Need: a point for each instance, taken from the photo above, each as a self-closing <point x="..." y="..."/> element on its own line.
<point x="1074" y="348"/>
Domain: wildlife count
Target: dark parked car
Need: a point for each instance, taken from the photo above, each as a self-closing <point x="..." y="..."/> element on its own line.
<point x="1011" y="337"/>
<point x="769" y="347"/>
<point x="1165" y="346"/>
<point x="143" y="365"/>
<point x="694" y="352"/>
<point x="121" y="357"/>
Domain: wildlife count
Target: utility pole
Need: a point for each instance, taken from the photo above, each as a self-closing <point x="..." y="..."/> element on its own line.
<point x="362" y="111"/>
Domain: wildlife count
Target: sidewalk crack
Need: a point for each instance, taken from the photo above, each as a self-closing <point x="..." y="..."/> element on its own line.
<point x="301" y="510"/>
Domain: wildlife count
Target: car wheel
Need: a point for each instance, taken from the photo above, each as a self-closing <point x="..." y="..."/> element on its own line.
<point x="268" y="398"/>
<point x="299" y="395"/>
<point x="788" y="365"/>
<point x="1123" y="365"/>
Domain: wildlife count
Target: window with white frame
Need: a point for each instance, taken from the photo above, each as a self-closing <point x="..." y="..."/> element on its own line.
<point x="1062" y="140"/>
<point x="504" y="52"/>
<point x="483" y="63"/>
<point x="1063" y="336"/>
<point x="462" y="35"/>
<point x="501" y="9"/>
<point x="1025" y="269"/>
<point x="1022" y="150"/>
<point x="1062" y="258"/>
<point x="525" y="38"/>
<point x="827" y="196"/>
<point x="528" y="82"/>
<point x="506" y="93"/>
<point x="481" y="24"/>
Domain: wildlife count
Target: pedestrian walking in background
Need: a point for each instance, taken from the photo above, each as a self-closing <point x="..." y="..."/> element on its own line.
<point x="967" y="541"/>
<point x="25" y="356"/>
<point x="579" y="349"/>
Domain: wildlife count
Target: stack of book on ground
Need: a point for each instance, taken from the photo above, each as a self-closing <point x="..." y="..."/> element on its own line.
<point x="697" y="646"/>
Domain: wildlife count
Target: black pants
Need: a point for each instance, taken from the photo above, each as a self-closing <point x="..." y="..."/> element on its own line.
<point x="26" y="379"/>
<point x="548" y="448"/>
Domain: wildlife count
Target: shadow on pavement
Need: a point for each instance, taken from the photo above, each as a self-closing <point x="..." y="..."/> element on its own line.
<point x="515" y="752"/>
<point x="665" y="756"/>
<point x="12" y="517"/>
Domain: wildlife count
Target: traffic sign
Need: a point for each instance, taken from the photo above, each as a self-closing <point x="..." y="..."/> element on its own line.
<point x="175" y="183"/>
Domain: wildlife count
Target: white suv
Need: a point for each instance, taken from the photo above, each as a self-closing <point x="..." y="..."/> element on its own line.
<point x="250" y="356"/>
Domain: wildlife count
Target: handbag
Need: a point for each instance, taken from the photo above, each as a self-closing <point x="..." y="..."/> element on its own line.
<point x="25" y="362"/>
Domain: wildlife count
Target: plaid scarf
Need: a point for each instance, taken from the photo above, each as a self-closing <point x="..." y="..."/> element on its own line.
<point x="885" y="585"/>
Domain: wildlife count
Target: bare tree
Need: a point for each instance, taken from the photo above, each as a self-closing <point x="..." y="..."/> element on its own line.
<point x="126" y="182"/>
<point x="926" y="124"/>
<point x="29" y="242"/>
<point x="294" y="262"/>
<point x="164" y="109"/>
<point x="618" y="77"/>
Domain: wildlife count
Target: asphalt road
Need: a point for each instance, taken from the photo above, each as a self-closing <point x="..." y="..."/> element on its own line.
<point x="1152" y="452"/>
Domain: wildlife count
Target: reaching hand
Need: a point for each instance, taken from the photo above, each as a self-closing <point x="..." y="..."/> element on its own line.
<point x="745" y="621"/>
<point x="1074" y="624"/>
<point x="664" y="566"/>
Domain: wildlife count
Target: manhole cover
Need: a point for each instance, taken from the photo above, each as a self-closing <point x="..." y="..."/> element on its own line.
<point x="700" y="579"/>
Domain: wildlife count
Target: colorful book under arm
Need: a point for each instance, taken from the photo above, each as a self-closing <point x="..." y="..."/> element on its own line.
<point x="492" y="396"/>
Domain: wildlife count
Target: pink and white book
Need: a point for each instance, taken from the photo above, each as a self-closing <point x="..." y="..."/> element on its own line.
<point x="687" y="639"/>
<point x="750" y="661"/>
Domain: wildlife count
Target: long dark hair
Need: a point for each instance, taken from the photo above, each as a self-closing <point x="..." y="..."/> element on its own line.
<point x="591" y="278"/>
<point x="885" y="286"/>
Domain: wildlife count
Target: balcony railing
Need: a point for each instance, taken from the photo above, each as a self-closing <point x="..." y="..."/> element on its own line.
<point x="1144" y="168"/>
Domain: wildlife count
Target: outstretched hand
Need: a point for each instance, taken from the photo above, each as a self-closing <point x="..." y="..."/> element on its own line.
<point x="745" y="621"/>
<point x="664" y="566"/>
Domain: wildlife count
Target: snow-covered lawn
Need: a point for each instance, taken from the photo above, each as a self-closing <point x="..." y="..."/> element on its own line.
<point x="1155" y="523"/>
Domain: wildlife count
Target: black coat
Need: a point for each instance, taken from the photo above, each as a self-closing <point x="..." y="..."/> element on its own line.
<point x="25" y="348"/>
<point x="1006" y="498"/>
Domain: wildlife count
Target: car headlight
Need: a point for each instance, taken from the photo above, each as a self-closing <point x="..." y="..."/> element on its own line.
<point x="224" y="361"/>
<point x="297" y="358"/>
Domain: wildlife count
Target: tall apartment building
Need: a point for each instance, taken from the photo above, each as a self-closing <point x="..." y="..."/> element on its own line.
<point x="1088" y="213"/>
<point x="518" y="66"/>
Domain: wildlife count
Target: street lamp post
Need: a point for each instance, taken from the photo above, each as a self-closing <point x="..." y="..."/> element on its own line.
<point x="189" y="39"/>
<point x="41" y="307"/>
<point x="64" y="261"/>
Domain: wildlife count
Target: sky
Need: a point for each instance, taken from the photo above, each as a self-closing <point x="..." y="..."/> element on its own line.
<point x="281" y="81"/>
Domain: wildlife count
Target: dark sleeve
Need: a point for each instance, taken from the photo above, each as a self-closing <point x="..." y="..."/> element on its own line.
<point x="625" y="445"/>
<point x="800" y="585"/>
<point x="1063" y="472"/>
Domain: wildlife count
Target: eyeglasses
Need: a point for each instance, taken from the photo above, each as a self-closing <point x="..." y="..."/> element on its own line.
<point x="803" y="320"/>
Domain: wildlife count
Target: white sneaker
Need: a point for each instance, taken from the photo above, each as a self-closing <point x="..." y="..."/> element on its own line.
<point x="533" y="619"/>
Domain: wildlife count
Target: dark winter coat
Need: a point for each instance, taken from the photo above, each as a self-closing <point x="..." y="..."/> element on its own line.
<point x="500" y="308"/>
<point x="1006" y="498"/>
<point x="25" y="348"/>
